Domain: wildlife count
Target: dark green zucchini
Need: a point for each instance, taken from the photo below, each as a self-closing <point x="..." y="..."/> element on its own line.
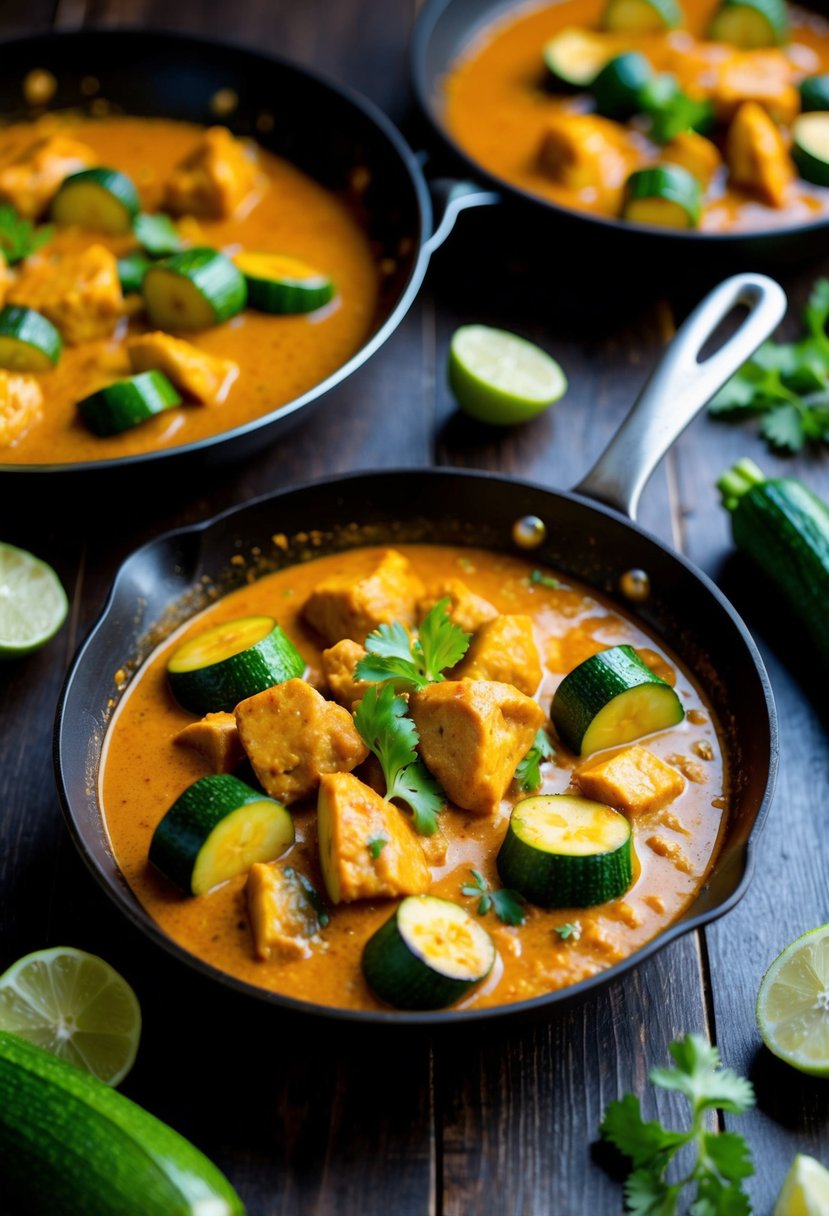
<point x="574" y="57"/>
<point x="29" y="341"/>
<point x="814" y="93"/>
<point x="128" y="403"/>
<point x="617" y="89"/>
<point x="750" y="24"/>
<point x="101" y="199"/>
<point x="641" y="16"/>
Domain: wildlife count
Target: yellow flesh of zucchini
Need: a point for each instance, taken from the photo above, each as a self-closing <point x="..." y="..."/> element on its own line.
<point x="447" y="938"/>
<point x="635" y="17"/>
<point x="575" y="827"/>
<point x="175" y="303"/>
<point x="661" y="212"/>
<point x="257" y="831"/>
<point x="17" y="356"/>
<point x="811" y="131"/>
<point x="276" y="266"/>
<point x="745" y="28"/>
<point x="88" y="205"/>
<point x="581" y="53"/>
<point x="640" y="711"/>
<point x="221" y="642"/>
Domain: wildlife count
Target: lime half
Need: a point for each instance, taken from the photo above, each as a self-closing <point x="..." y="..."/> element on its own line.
<point x="33" y="603"/>
<point x="793" y="1004"/>
<point x="805" y="1190"/>
<point x="500" y="378"/>
<point x="76" y="1006"/>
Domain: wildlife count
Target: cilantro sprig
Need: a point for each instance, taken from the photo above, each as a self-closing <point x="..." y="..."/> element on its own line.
<point x="722" y="1160"/>
<point x="570" y="929"/>
<point x="413" y="661"/>
<point x="18" y="237"/>
<point x="528" y="773"/>
<point x="507" y="905"/>
<point x="385" y="728"/>
<point x="787" y="383"/>
<point x="157" y="234"/>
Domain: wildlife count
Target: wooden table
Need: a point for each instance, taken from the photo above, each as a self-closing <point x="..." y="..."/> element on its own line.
<point x="494" y="1119"/>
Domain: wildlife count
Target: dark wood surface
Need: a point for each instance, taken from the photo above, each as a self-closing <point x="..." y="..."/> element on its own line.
<point x="503" y="1118"/>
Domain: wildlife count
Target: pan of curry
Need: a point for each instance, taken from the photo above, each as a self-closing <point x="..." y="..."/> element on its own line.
<point x="698" y="124"/>
<point x="428" y="745"/>
<point x="198" y="243"/>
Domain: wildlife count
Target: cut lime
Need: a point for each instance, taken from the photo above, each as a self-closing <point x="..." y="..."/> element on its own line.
<point x="500" y="378"/>
<point x="805" y="1190"/>
<point x="75" y="1006"/>
<point x="793" y="1004"/>
<point x="33" y="603"/>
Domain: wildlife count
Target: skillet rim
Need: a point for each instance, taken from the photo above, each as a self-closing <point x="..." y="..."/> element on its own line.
<point x="122" y="895"/>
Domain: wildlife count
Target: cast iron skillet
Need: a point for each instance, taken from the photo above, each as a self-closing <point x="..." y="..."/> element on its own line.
<point x="444" y="28"/>
<point x="332" y="133"/>
<point x="588" y="533"/>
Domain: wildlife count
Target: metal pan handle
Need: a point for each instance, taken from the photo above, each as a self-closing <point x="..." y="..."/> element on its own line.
<point x="449" y="198"/>
<point x="681" y="385"/>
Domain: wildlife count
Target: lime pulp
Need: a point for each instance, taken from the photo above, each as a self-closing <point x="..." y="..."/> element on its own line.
<point x="793" y="1004"/>
<point x="33" y="603"/>
<point x="500" y="378"/>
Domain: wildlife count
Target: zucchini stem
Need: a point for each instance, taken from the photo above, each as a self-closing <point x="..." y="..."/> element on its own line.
<point x="738" y="480"/>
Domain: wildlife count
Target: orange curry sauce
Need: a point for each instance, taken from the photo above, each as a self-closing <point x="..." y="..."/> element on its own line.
<point x="143" y="772"/>
<point x="280" y="357"/>
<point x="496" y="104"/>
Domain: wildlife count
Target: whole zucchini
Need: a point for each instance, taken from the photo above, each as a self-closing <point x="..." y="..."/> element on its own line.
<point x="784" y="528"/>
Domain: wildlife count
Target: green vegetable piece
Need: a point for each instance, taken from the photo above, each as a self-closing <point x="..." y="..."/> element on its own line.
<point x="19" y="238"/>
<point x="750" y="24"/>
<point x="618" y="88"/>
<point x="157" y="235"/>
<point x="412" y="662"/>
<point x="507" y="905"/>
<point x="641" y="16"/>
<point x="814" y="93"/>
<point x="528" y="772"/>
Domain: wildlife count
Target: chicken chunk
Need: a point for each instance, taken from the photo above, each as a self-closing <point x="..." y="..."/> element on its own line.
<point x="197" y="375"/>
<point x="342" y="608"/>
<point x="503" y="649"/>
<point x="21" y="405"/>
<point x="30" y="180"/>
<point x="763" y="77"/>
<point x="757" y="156"/>
<point x="367" y="848"/>
<point x="80" y="293"/>
<point x="466" y="609"/>
<point x="472" y="735"/>
<point x="634" y="780"/>
<point x="215" y="178"/>
<point x="435" y="848"/>
<point x="586" y="152"/>
<point x="338" y="663"/>
<point x="216" y="738"/>
<point x="292" y="735"/>
<point x="696" y="154"/>
<point x="283" y="920"/>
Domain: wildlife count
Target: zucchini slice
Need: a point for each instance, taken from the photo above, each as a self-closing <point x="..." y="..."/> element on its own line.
<point x="73" y="1145"/>
<point x="280" y="284"/>
<point x="193" y="290"/>
<point x="750" y="24"/>
<point x="427" y="955"/>
<point x="667" y="196"/>
<point x="128" y="403"/>
<point x="612" y="698"/>
<point x="561" y="851"/>
<point x="29" y="341"/>
<point x="101" y="199"/>
<point x="641" y="16"/>
<point x="814" y="93"/>
<point x="218" y="828"/>
<point x="232" y="661"/>
<point x="574" y="57"/>
<point x="131" y="271"/>
<point x="157" y="234"/>
<point x="617" y="90"/>
<point x="810" y="146"/>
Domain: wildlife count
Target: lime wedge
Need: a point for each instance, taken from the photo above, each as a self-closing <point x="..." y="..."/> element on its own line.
<point x="793" y="1004"/>
<point x="75" y="1006"/>
<point x="805" y="1190"/>
<point x="500" y="378"/>
<point x="33" y="603"/>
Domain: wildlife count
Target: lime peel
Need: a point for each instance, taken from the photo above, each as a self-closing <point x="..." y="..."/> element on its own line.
<point x="33" y="603"/>
<point x="792" y="1010"/>
<point x="501" y="378"/>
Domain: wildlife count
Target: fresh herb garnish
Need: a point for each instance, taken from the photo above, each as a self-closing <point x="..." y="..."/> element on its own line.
<point x="311" y="894"/>
<point x="568" y="930"/>
<point x="787" y="383"/>
<point x="376" y="845"/>
<point x="507" y="905"/>
<point x="722" y="1159"/>
<point x="18" y="237"/>
<point x="528" y="773"/>
<point x="539" y="579"/>
<point x="157" y="234"/>
<point x="410" y="661"/>
<point x="385" y="728"/>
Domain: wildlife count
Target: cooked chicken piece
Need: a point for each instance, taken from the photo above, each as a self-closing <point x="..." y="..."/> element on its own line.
<point x="341" y="608"/>
<point x="367" y="848"/>
<point x="763" y="77"/>
<point x="634" y="780"/>
<point x="472" y="735"/>
<point x="80" y="293"/>
<point x="30" y="180"/>
<point x="757" y="156"/>
<point x="216" y="737"/>
<point x="197" y="375"/>
<point x="292" y="735"/>
<point x="696" y="154"/>
<point x="466" y="609"/>
<point x="215" y="178"/>
<point x="587" y="152"/>
<point x="435" y="848"/>
<point x="503" y="649"/>
<point x="21" y="405"/>
<point x="282" y="918"/>
<point x="338" y="663"/>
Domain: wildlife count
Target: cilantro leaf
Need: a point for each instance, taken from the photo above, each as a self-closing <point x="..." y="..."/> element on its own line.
<point x="539" y="579"/>
<point x="528" y="772"/>
<point x="647" y="1144"/>
<point x="157" y="234"/>
<point x="646" y="1195"/>
<point x="699" y="1075"/>
<point x="312" y="895"/>
<point x="715" y="1198"/>
<point x="508" y="905"/>
<point x="416" y="786"/>
<point x="782" y="428"/>
<point x="441" y="642"/>
<point x="18" y="237"/>
<point x="729" y="1154"/>
<point x="376" y="845"/>
<point x="568" y="930"/>
<point x="412" y="662"/>
<point x="816" y="312"/>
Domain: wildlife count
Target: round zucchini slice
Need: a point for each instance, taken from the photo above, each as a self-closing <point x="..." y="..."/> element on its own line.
<point x="617" y="90"/>
<point x="574" y="57"/>
<point x="195" y="289"/>
<point x="561" y="851"/>
<point x="750" y="24"/>
<point x="641" y="16"/>
<point x="814" y="93"/>
<point x="29" y="341"/>
<point x="222" y="666"/>
<point x="666" y="196"/>
<point x="218" y="828"/>
<point x="131" y="271"/>
<point x="427" y="955"/>
<point x="280" y="284"/>
<point x="612" y="698"/>
<point x="810" y="146"/>
<point x="128" y="403"/>
<point x="101" y="199"/>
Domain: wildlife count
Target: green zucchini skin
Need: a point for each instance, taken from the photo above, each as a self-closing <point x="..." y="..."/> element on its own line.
<point x="72" y="1146"/>
<point x="131" y="270"/>
<point x="814" y="93"/>
<point x="29" y="341"/>
<point x="128" y="403"/>
<point x="810" y="146"/>
<point x="222" y="685"/>
<point x="617" y="89"/>
<point x="98" y="198"/>
<point x="194" y="289"/>
<point x="750" y="24"/>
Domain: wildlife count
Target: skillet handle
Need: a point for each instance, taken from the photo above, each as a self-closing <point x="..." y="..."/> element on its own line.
<point x="680" y="386"/>
<point x="449" y="198"/>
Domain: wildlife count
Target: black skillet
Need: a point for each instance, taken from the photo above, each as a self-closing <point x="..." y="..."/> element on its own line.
<point x="589" y="534"/>
<point x="336" y="136"/>
<point x="445" y="28"/>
